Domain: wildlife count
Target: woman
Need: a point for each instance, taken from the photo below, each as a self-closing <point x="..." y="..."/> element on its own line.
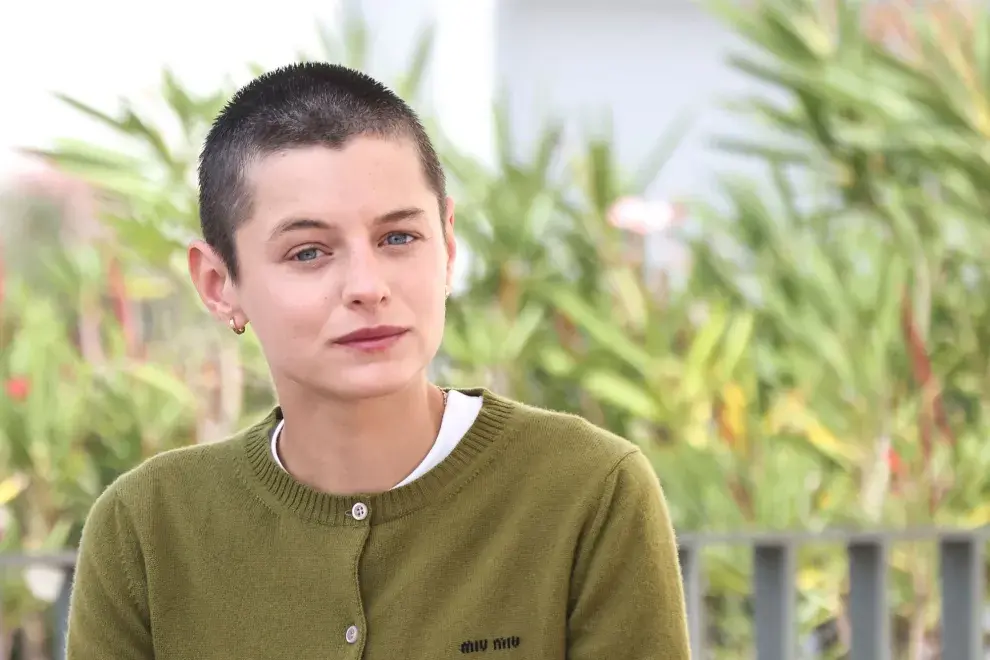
<point x="371" y="514"/>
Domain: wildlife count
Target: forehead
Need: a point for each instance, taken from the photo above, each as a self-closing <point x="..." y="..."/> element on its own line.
<point x="362" y="180"/>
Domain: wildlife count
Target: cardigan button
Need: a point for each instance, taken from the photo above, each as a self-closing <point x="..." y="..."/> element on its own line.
<point x="359" y="511"/>
<point x="351" y="635"/>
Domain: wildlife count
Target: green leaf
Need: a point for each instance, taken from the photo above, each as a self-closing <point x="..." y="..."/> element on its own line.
<point x="135" y="125"/>
<point x="521" y="331"/>
<point x="608" y="336"/>
<point x="356" y="38"/>
<point x="736" y="342"/>
<point x="411" y="82"/>
<point x="700" y="354"/>
<point x="981" y="48"/>
<point x="608" y="387"/>
<point x="81" y="157"/>
<point x="91" y="112"/>
<point x="557" y="361"/>
<point x="662" y="152"/>
<point x="181" y="103"/>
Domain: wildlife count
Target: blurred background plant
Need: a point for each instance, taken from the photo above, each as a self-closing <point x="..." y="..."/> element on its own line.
<point x="807" y="351"/>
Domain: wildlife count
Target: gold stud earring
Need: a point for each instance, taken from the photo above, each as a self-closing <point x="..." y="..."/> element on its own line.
<point x="238" y="329"/>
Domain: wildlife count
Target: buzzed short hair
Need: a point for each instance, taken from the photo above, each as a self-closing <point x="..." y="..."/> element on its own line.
<point x="300" y="105"/>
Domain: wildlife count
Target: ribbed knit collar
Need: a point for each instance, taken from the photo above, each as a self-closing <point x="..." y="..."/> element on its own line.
<point x="282" y="491"/>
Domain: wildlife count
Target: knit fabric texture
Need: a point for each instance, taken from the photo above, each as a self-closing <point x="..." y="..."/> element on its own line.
<point x="541" y="536"/>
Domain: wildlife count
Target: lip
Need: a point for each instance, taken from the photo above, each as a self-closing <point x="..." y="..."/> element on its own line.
<point x="372" y="339"/>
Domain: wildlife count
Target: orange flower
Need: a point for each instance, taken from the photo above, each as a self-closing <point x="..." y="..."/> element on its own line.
<point x="18" y="388"/>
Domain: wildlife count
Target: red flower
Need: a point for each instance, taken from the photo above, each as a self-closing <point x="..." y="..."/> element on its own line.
<point x="894" y="461"/>
<point x="18" y="388"/>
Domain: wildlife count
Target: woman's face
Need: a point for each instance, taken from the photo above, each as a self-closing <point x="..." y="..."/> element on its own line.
<point x="341" y="242"/>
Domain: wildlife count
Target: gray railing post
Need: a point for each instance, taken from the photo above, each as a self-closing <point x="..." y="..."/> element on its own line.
<point x="65" y="560"/>
<point x="694" y="596"/>
<point x="868" y="612"/>
<point x="61" y="614"/>
<point x="961" y="559"/>
<point x="962" y="556"/>
<point x="775" y="600"/>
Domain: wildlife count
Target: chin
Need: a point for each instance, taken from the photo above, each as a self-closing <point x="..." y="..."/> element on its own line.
<point x="371" y="380"/>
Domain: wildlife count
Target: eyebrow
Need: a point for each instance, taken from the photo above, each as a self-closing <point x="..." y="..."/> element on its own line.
<point x="295" y="224"/>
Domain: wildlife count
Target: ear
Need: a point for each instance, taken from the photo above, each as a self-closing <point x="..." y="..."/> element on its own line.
<point x="448" y="223"/>
<point x="214" y="284"/>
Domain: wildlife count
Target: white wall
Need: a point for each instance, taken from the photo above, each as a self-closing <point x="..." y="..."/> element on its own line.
<point x="99" y="50"/>
<point x="645" y="61"/>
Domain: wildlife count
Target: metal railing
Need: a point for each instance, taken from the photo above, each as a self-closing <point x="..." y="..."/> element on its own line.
<point x="58" y="560"/>
<point x="961" y="559"/>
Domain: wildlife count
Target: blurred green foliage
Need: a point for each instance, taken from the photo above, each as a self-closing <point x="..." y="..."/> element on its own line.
<point x="821" y="361"/>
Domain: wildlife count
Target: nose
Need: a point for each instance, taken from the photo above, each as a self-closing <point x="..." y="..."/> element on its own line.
<point x="365" y="284"/>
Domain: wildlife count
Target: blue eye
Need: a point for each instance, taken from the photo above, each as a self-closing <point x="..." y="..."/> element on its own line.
<point x="399" y="238"/>
<point x="306" y="255"/>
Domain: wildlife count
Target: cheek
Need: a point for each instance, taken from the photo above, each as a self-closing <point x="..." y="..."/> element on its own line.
<point x="423" y="298"/>
<point x="279" y="313"/>
<point x="422" y="279"/>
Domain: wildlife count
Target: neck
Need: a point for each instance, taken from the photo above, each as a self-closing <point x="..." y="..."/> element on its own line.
<point x="359" y="446"/>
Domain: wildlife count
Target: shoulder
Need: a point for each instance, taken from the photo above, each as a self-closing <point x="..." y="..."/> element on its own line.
<point x="591" y="479"/>
<point x="584" y="441"/>
<point x="178" y="476"/>
<point x="574" y="449"/>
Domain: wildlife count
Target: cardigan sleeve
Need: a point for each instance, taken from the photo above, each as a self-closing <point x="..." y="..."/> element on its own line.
<point x="108" y="611"/>
<point x="627" y="600"/>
